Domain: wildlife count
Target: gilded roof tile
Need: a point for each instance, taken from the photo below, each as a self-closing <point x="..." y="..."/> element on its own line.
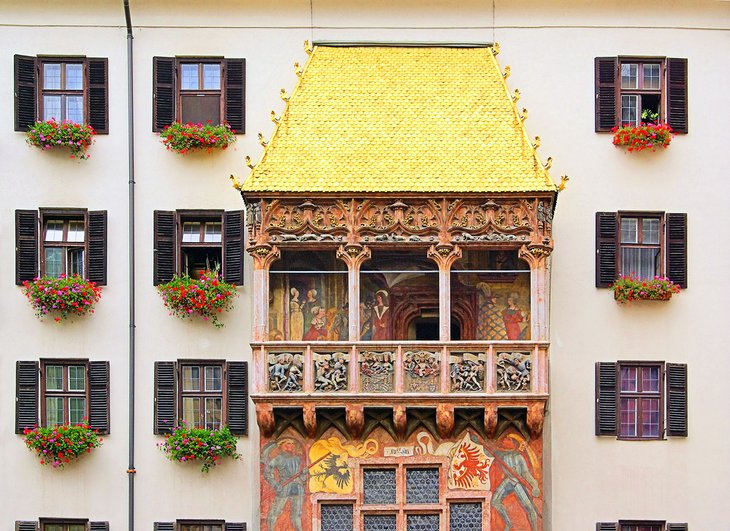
<point x="400" y="119"/>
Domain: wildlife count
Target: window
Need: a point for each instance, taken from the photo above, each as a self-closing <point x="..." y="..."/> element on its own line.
<point x="54" y="524"/>
<point x="207" y="394"/>
<point x="640" y="525"/>
<point x="630" y="397"/>
<point x="191" y="242"/>
<point x="57" y="242"/>
<point x="643" y="244"/>
<point x="71" y="391"/>
<point x="199" y="90"/>
<point x="199" y="525"/>
<point x="631" y="90"/>
<point x="61" y="88"/>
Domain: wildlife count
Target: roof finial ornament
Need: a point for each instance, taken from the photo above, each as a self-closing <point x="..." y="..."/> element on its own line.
<point x="248" y="162"/>
<point x="516" y="96"/>
<point x="274" y="118"/>
<point x="263" y="142"/>
<point x="298" y="70"/>
<point x="563" y="181"/>
<point x="236" y="183"/>
<point x="548" y="163"/>
<point x="507" y="72"/>
<point x="308" y="48"/>
<point x="537" y="142"/>
<point x="495" y="48"/>
<point x="523" y="117"/>
<point x="284" y="95"/>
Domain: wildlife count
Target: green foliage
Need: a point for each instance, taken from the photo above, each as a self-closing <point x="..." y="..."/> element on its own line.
<point x="183" y="138"/>
<point x="52" y="134"/>
<point x="58" y="446"/>
<point x="197" y="444"/>
<point x="631" y="288"/>
<point x="63" y="296"/>
<point x="207" y="297"/>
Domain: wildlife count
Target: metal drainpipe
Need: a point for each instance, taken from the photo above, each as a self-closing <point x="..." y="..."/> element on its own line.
<point x="132" y="325"/>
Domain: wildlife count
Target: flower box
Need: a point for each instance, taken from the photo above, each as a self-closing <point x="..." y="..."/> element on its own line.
<point x="643" y="136"/>
<point x="63" y="296"/>
<point x="209" y="447"/>
<point x="207" y="297"/>
<point x="59" y="445"/>
<point x="51" y="134"/>
<point x="183" y="138"/>
<point x="631" y="288"/>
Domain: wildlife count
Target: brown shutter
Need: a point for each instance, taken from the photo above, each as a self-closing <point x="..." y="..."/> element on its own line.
<point x="99" y="95"/>
<point x="235" y="88"/>
<point x="99" y="396"/>
<point x="677" y="527"/>
<point x="26" y="526"/>
<point x="606" y="69"/>
<point x="606" y="247"/>
<point x="677" y="103"/>
<point x="164" y="526"/>
<point x="165" y="396"/>
<point x="677" y="249"/>
<point x="97" y="247"/>
<point x="235" y="526"/>
<point x="25" y="92"/>
<point x="163" y="92"/>
<point x="606" y="395"/>
<point x="606" y="526"/>
<point x="677" y="399"/>
<point x="165" y="242"/>
<point x="26" y="395"/>
<point x="233" y="247"/>
<point x="98" y="526"/>
<point x="26" y="245"/>
<point x="237" y="397"/>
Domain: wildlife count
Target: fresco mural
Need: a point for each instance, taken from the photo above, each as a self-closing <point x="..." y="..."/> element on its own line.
<point x="505" y="473"/>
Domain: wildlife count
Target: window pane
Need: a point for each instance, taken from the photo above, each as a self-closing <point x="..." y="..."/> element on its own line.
<point x="77" y="527"/>
<point x="76" y="262"/>
<point x="213" y="412"/>
<point x="336" y="518"/>
<point x="191" y="411"/>
<point x="378" y="486"/>
<point x="650" y="417"/>
<point x="651" y="77"/>
<point x="74" y="77"/>
<point x="629" y="230"/>
<point x="54" y="231"/>
<point x="465" y="517"/>
<point x="213" y="378"/>
<point x="54" y="411"/>
<point x="54" y="261"/>
<point x="52" y="527"/>
<point x="75" y="109"/>
<point x="212" y="232"/>
<point x="54" y="378"/>
<point x="629" y="75"/>
<point x="76" y="410"/>
<point x="75" y="231"/>
<point x="212" y="77"/>
<point x="630" y="110"/>
<point x="51" y="76"/>
<point x="216" y="527"/>
<point x="650" y="379"/>
<point x="76" y="378"/>
<point x="422" y="522"/>
<point x="189" y="74"/>
<point x="191" y="232"/>
<point x="422" y="485"/>
<point x="640" y="261"/>
<point x="628" y="379"/>
<point x="650" y="231"/>
<point x="197" y="108"/>
<point x="627" y="424"/>
<point x="379" y="522"/>
<point x="52" y="108"/>
<point x="191" y="378"/>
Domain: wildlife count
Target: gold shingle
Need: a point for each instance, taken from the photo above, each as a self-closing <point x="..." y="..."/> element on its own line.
<point x="400" y="119"/>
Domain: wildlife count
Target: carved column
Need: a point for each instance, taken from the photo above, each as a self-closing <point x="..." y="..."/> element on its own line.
<point x="445" y="420"/>
<point x="537" y="256"/>
<point x="444" y="256"/>
<point x="536" y="419"/>
<point x="400" y="420"/>
<point x="265" y="419"/>
<point x="490" y="420"/>
<point x="263" y="256"/>
<point x="309" y="413"/>
<point x="353" y="255"/>
<point x="355" y="419"/>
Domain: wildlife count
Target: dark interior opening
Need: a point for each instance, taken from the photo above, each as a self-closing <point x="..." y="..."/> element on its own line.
<point x="427" y="329"/>
<point x="650" y="104"/>
<point x="198" y="260"/>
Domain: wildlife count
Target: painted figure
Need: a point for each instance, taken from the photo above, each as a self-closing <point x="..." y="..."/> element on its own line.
<point x="296" y="318"/>
<point x="286" y="473"/>
<point x="318" y="326"/>
<point x="381" y="316"/>
<point x="490" y="326"/>
<point x="513" y="318"/>
<point x="307" y="306"/>
<point x="366" y="322"/>
<point x="339" y="330"/>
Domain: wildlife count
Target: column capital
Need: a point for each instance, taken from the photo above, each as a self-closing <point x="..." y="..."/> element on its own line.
<point x="354" y="254"/>
<point x="264" y="255"/>
<point x="444" y="255"/>
<point x="536" y="254"/>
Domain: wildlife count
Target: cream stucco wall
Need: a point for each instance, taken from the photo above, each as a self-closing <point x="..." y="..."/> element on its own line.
<point x="550" y="47"/>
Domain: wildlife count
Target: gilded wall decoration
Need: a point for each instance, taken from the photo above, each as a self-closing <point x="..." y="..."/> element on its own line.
<point x="513" y="371"/>
<point x="286" y="371"/>
<point x="330" y="371"/>
<point x="422" y="371"/>
<point x="330" y="470"/>
<point x="467" y="370"/>
<point x="376" y="372"/>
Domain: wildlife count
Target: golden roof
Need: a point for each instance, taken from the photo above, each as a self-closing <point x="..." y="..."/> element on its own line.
<point x="400" y="119"/>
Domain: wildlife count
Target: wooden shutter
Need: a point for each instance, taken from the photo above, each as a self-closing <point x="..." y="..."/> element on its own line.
<point x="235" y="112"/>
<point x="165" y="396"/>
<point x="97" y="247"/>
<point x="677" y="399"/>
<point x="26" y="395"/>
<point x="164" y="526"/>
<point x="677" y="103"/>
<point x="677" y="249"/>
<point x="98" y="526"/>
<point x="606" y="248"/>
<point x="606" y="526"/>
<point x="237" y="397"/>
<point x="233" y="247"/>
<point x="235" y="526"/>
<point x="99" y="396"/>
<point x="99" y="95"/>
<point x="26" y="112"/>
<point x="26" y="245"/>
<point x="677" y="527"/>
<point x="163" y="92"/>
<point x="26" y="526"/>
<point x="606" y="398"/>
<point x="164" y="252"/>
<point x="606" y="69"/>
